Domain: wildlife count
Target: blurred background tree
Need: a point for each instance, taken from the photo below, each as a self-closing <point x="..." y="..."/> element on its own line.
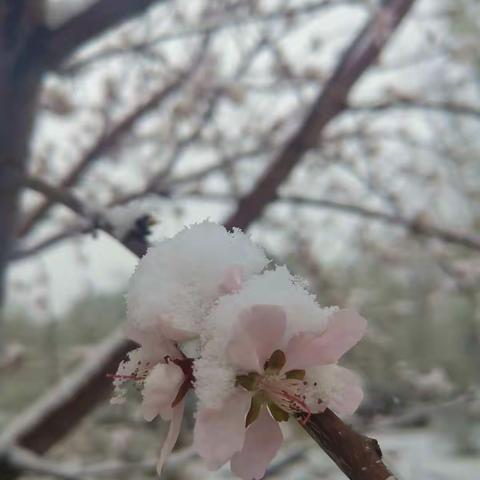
<point x="191" y="106"/>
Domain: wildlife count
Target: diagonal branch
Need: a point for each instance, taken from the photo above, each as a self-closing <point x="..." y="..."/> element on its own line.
<point x="362" y="53"/>
<point x="95" y="20"/>
<point x="53" y="416"/>
<point x="134" y="240"/>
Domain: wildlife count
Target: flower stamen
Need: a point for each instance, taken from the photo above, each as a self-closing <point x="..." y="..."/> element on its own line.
<point x="125" y="377"/>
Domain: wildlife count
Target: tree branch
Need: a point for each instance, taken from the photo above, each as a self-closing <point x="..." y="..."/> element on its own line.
<point x="362" y="53"/>
<point x="415" y="226"/>
<point x="18" y="459"/>
<point x="101" y="16"/>
<point x="133" y="241"/>
<point x="22" y="460"/>
<point x="47" y="421"/>
<point x="50" y="418"/>
<point x="411" y="103"/>
<point x="219" y="24"/>
<point x="67" y="234"/>
<point x="357" y="456"/>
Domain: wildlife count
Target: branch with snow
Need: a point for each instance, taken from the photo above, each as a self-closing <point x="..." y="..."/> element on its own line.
<point x="129" y="224"/>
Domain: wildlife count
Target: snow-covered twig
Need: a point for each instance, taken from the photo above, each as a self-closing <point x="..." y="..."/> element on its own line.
<point x="128" y="224"/>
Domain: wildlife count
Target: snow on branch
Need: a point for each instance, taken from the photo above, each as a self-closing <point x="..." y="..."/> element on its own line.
<point x="129" y="224"/>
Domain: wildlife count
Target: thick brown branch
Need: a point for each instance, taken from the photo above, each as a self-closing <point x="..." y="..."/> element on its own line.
<point x="101" y="16"/>
<point x="53" y="416"/>
<point x="19" y="459"/>
<point x="362" y="53"/>
<point x="357" y="456"/>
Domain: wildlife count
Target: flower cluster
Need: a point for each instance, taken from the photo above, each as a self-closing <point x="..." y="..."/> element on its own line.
<point x="252" y="343"/>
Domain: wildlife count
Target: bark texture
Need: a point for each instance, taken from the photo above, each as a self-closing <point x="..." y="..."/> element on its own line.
<point x="20" y="75"/>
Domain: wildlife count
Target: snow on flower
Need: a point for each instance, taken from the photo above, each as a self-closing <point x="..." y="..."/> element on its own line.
<point x="164" y="376"/>
<point x="178" y="280"/>
<point x="275" y="287"/>
<point x="255" y="347"/>
<point x="274" y="371"/>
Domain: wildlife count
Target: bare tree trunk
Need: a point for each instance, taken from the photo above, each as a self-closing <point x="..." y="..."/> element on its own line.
<point x="19" y="84"/>
<point x="27" y="50"/>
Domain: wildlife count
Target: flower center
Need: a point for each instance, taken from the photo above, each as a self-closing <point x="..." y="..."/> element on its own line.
<point x="283" y="393"/>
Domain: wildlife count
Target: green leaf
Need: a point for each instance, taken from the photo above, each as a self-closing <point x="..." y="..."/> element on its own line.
<point x="278" y="414"/>
<point x="295" y="374"/>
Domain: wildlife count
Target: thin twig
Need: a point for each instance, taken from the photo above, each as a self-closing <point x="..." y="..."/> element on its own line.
<point x="413" y="225"/>
<point x="410" y="103"/>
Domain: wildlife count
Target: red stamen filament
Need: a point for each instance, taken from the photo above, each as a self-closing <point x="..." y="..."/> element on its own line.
<point x="125" y="377"/>
<point x="301" y="403"/>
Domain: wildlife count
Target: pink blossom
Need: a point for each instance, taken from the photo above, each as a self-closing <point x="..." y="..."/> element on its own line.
<point x="163" y="396"/>
<point x="164" y="376"/>
<point x="276" y="377"/>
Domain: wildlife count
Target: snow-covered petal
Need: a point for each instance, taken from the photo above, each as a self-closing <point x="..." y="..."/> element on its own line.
<point x="338" y="388"/>
<point x="263" y="438"/>
<point x="232" y="280"/>
<point x="155" y="345"/>
<point x="134" y="368"/>
<point x="218" y="434"/>
<point x="179" y="279"/>
<point x="172" y="435"/>
<point x="258" y="333"/>
<point x="347" y="395"/>
<point x="344" y="329"/>
<point x="160" y="389"/>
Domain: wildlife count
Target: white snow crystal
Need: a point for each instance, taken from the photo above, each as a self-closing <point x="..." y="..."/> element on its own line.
<point x="274" y="287"/>
<point x="177" y="281"/>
